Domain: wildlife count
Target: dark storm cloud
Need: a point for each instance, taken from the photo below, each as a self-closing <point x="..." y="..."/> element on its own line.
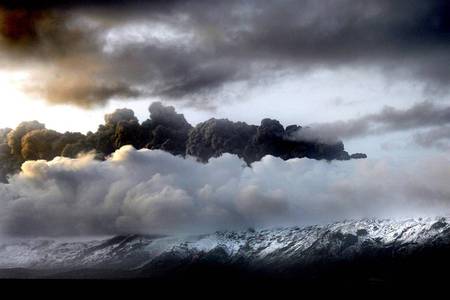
<point x="216" y="44"/>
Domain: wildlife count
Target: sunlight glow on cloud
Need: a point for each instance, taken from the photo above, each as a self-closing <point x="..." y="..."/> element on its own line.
<point x="18" y="106"/>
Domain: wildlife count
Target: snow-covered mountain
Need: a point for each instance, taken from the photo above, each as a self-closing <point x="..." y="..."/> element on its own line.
<point x="279" y="251"/>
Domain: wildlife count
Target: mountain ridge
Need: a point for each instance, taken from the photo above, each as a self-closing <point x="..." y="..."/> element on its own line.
<point x="289" y="252"/>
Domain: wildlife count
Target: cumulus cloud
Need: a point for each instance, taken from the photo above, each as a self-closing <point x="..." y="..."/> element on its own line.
<point x="151" y="191"/>
<point x="188" y="50"/>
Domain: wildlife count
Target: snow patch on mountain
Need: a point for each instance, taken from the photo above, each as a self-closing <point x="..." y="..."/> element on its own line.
<point x="340" y="240"/>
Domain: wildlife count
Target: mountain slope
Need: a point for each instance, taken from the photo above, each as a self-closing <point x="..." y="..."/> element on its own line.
<point x="370" y="249"/>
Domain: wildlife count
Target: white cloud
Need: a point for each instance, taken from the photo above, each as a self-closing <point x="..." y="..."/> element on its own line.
<point x="149" y="191"/>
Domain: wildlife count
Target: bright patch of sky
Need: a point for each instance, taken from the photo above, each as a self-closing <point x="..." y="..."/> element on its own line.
<point x="320" y="96"/>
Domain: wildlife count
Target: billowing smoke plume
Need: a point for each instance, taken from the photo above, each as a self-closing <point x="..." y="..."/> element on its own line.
<point x="166" y="130"/>
<point x="152" y="191"/>
<point x="215" y="137"/>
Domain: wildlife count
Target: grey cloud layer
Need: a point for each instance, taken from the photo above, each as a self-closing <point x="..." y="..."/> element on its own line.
<point x="210" y="46"/>
<point x="151" y="191"/>
<point x="431" y="117"/>
<point x="436" y="137"/>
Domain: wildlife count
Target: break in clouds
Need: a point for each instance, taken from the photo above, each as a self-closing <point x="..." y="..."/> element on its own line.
<point x="152" y="191"/>
<point x="86" y="53"/>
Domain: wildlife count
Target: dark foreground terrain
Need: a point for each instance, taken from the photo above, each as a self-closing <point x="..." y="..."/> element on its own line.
<point x="350" y="254"/>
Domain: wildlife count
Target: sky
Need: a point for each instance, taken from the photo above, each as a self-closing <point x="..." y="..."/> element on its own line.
<point x="373" y="74"/>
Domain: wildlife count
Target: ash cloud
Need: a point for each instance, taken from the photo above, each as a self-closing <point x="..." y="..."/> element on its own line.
<point x="426" y="115"/>
<point x="192" y="49"/>
<point x="165" y="130"/>
<point x="151" y="191"/>
<point x="215" y="137"/>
